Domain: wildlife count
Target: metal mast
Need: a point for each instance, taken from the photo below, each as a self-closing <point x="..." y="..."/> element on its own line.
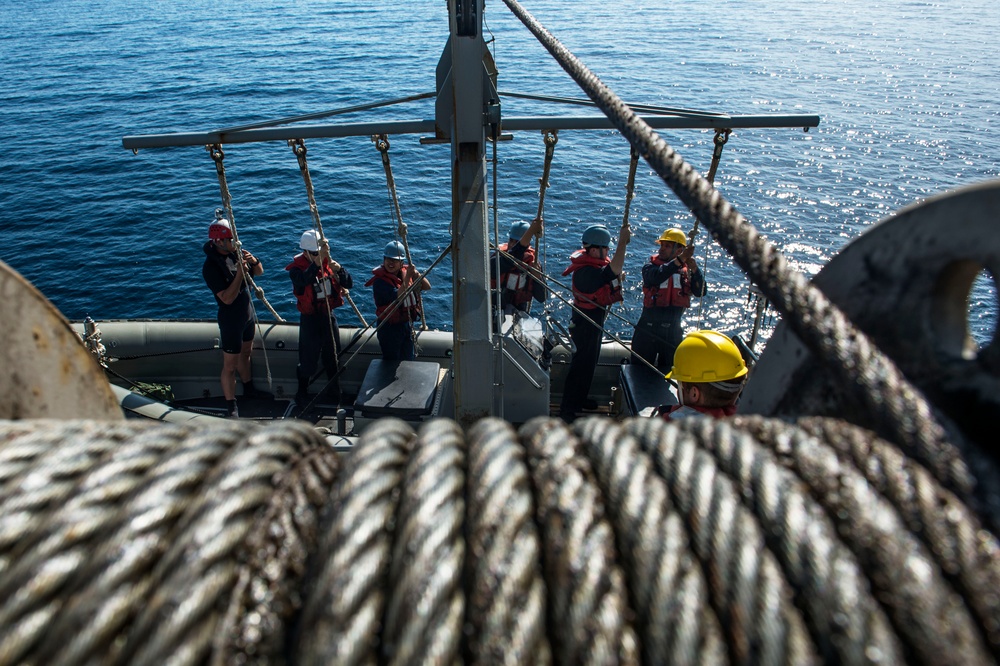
<point x="467" y="102"/>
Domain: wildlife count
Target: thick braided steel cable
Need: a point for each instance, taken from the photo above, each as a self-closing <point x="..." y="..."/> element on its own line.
<point x="506" y="604"/>
<point x="425" y="610"/>
<point x="847" y="623"/>
<point x="926" y="611"/>
<point x="40" y="467"/>
<point x="48" y="558"/>
<point x="116" y="579"/>
<point x="180" y="622"/>
<point x="890" y="400"/>
<point x="268" y="592"/>
<point x="342" y="612"/>
<point x="589" y="613"/>
<point x="968" y="553"/>
<point x="23" y="442"/>
<point x="745" y="592"/>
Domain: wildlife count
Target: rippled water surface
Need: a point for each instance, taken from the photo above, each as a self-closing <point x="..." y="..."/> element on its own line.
<point x="907" y="93"/>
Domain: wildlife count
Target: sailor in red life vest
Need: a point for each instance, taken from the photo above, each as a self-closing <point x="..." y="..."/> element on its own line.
<point x="517" y="288"/>
<point x="395" y="308"/>
<point x="710" y="374"/>
<point x="318" y="283"/>
<point x="596" y="285"/>
<point x="669" y="281"/>
<point x="224" y="278"/>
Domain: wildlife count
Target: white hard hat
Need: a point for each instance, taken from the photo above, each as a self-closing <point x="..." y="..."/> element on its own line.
<point x="310" y="241"/>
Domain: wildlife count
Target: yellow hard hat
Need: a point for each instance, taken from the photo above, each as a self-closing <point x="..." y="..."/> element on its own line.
<point x="675" y="235"/>
<point x="707" y="356"/>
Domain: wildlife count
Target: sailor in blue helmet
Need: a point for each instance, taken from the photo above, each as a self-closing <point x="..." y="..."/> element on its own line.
<point x="596" y="285"/>
<point x="396" y="308"/>
<point x="224" y="277"/>
<point x="516" y="285"/>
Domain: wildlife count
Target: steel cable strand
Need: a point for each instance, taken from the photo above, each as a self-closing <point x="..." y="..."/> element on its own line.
<point x="196" y="575"/>
<point x="926" y="611"/>
<point x="680" y="611"/>
<point x="47" y="560"/>
<point x="847" y="623"/>
<point x="674" y="614"/>
<point x="966" y="552"/>
<point x="347" y="585"/>
<point x="116" y="580"/>
<point x="425" y="609"/>
<point x="894" y="405"/>
<point x="506" y="588"/>
<point x="41" y="467"/>
<point x="273" y="562"/>
<point x="23" y="442"/>
<point x="589" y="617"/>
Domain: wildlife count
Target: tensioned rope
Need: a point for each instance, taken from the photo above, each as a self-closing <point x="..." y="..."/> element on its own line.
<point x="217" y="154"/>
<point x="381" y="142"/>
<point x="298" y="147"/>
<point x="749" y="540"/>
<point x="891" y="403"/>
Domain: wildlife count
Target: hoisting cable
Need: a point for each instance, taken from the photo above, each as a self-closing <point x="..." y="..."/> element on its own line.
<point x="887" y="399"/>
<point x="551" y="138"/>
<point x="720" y="139"/>
<point x="298" y="147"/>
<point x="381" y="142"/>
<point x="217" y="154"/>
<point x="497" y="312"/>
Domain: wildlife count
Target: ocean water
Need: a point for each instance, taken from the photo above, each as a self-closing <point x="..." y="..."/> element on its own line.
<point x="908" y="94"/>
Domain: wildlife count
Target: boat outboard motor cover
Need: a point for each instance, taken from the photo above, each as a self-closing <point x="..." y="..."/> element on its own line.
<point x="404" y="389"/>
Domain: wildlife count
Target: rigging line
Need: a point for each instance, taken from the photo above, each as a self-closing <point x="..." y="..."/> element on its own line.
<point x="890" y="400"/>
<point x="217" y="154"/>
<point x="298" y="147"/>
<point x="325" y="114"/>
<point x="718" y="141"/>
<point x="381" y="142"/>
<point x="645" y="108"/>
<point x="498" y="291"/>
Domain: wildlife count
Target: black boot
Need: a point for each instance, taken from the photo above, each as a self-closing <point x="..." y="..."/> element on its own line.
<point x="302" y="397"/>
<point x="232" y="411"/>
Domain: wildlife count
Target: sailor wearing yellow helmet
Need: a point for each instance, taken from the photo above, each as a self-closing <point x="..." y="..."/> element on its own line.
<point x="710" y="374"/>
<point x="669" y="280"/>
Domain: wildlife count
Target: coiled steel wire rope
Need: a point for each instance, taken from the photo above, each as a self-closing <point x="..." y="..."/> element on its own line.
<point x="751" y="540"/>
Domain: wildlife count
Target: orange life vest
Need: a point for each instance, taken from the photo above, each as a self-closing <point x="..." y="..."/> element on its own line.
<point x="610" y="292"/>
<point x="675" y="291"/>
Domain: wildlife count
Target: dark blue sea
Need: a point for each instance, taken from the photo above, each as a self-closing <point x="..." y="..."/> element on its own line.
<point x="908" y="94"/>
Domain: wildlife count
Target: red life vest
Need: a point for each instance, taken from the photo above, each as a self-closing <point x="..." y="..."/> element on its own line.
<point x="516" y="280"/>
<point x="325" y="285"/>
<point x="408" y="310"/>
<point x="609" y="293"/>
<point x="675" y="291"/>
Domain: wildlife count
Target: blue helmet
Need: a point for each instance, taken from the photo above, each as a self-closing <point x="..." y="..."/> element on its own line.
<point x="598" y="235"/>
<point x="394" y="250"/>
<point x="517" y="230"/>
